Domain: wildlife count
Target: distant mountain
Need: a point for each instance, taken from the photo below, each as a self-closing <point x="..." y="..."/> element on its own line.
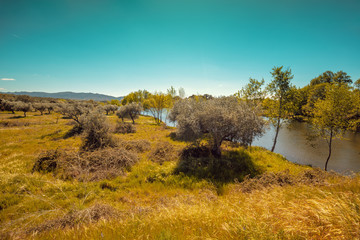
<point x="69" y="95"/>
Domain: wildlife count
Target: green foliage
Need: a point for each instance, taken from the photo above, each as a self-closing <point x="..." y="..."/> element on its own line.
<point x="334" y="114"/>
<point x="252" y="91"/>
<point x="157" y="103"/>
<point x="278" y="107"/>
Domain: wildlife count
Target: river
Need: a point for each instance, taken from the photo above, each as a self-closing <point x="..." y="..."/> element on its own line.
<point x="292" y="143"/>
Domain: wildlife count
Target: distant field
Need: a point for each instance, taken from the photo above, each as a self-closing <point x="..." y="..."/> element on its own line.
<point x="155" y="200"/>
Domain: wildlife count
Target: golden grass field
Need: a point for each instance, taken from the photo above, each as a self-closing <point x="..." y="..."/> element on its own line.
<point x="153" y="202"/>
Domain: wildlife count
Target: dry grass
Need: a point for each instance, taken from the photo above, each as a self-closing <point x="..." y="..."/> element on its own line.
<point x="287" y="201"/>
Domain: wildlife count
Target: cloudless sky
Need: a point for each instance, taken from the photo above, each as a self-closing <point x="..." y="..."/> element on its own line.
<point x="205" y="46"/>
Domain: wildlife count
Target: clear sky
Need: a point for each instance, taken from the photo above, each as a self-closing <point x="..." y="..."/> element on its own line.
<point x="205" y="46"/>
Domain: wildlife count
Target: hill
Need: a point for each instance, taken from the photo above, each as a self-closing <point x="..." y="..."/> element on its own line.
<point x="69" y="95"/>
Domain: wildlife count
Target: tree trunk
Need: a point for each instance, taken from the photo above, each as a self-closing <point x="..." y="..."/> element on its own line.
<point x="276" y="135"/>
<point x="215" y="150"/>
<point x="330" y="141"/>
<point x="277" y="126"/>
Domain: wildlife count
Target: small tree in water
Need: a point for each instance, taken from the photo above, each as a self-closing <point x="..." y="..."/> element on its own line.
<point x="219" y="118"/>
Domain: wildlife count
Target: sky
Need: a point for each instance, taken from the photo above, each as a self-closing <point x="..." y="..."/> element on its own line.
<point x="205" y="46"/>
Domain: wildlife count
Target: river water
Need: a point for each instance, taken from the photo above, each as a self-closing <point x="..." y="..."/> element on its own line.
<point x="292" y="143"/>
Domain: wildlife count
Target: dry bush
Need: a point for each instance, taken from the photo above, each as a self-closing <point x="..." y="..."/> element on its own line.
<point x="73" y="218"/>
<point x="86" y="166"/>
<point x="163" y="151"/>
<point x="123" y="128"/>
<point x="47" y="161"/>
<point x="140" y="146"/>
<point x="314" y="177"/>
<point x="13" y="124"/>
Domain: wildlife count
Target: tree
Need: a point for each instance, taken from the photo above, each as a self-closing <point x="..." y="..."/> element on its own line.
<point x="139" y="97"/>
<point x="41" y="107"/>
<point x="252" y="91"/>
<point x="110" y="108"/>
<point x="23" y="106"/>
<point x="277" y="107"/>
<point x="131" y="111"/>
<point x="218" y="118"/>
<point x="329" y="77"/>
<point x="181" y="92"/>
<point x="333" y="115"/>
<point x="156" y="103"/>
<point x="357" y="84"/>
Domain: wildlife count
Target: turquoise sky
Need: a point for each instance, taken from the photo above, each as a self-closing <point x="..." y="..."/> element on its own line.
<point x="204" y="46"/>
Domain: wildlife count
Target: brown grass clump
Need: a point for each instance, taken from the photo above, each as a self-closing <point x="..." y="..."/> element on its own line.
<point x="86" y="166"/>
<point x="163" y="151"/>
<point x="73" y="218"/>
<point x="124" y="128"/>
<point x="308" y="177"/>
<point x="140" y="145"/>
<point x="8" y="124"/>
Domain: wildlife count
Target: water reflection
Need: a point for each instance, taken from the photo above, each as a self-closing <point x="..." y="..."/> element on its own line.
<point x="293" y="145"/>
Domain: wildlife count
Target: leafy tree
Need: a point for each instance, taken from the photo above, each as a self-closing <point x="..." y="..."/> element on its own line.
<point x="156" y="104"/>
<point x="138" y="97"/>
<point x="131" y="111"/>
<point x="219" y="118"/>
<point x="6" y="105"/>
<point x="75" y="110"/>
<point x="181" y="92"/>
<point x="110" y="108"/>
<point x="332" y="116"/>
<point x="329" y="77"/>
<point x="253" y="91"/>
<point x="277" y="108"/>
<point x="41" y="107"/>
<point x="172" y="92"/>
<point x="357" y="84"/>
<point x="23" y="107"/>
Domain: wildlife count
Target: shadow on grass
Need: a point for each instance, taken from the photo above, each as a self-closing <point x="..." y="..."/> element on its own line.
<point x="76" y="130"/>
<point x="233" y="166"/>
<point x="16" y="117"/>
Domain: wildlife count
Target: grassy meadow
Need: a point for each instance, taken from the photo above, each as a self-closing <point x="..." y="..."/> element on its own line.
<point x="155" y="199"/>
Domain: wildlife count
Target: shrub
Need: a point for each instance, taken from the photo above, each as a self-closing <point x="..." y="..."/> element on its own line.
<point x="47" y="161"/>
<point x="86" y="166"/>
<point x="96" y="131"/>
<point x="73" y="218"/>
<point x="162" y="152"/>
<point x="124" y="128"/>
<point x="141" y="145"/>
<point x="313" y="177"/>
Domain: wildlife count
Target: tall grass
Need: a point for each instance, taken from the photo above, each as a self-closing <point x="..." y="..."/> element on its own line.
<point x="153" y="201"/>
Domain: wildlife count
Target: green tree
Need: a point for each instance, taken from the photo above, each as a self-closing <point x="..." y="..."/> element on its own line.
<point x="252" y="91"/>
<point x="333" y="115"/>
<point x="156" y="103"/>
<point x="277" y="107"/>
